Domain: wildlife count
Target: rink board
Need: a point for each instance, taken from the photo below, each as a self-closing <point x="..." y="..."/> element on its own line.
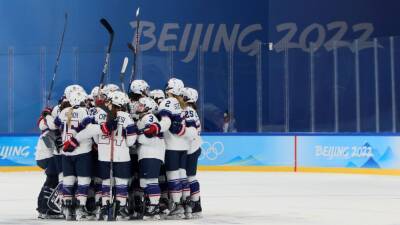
<point x="264" y="152"/>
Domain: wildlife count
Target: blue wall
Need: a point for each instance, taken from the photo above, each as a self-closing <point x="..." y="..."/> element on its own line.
<point x="31" y="25"/>
<point x="298" y="23"/>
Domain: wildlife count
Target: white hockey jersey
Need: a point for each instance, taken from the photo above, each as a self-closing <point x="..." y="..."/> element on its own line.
<point x="123" y="137"/>
<point x="72" y="127"/>
<point x="56" y="111"/>
<point x="193" y="129"/>
<point x="150" y="147"/>
<point x="44" y="124"/>
<point x="169" y="111"/>
<point x="42" y="151"/>
<point x="96" y="116"/>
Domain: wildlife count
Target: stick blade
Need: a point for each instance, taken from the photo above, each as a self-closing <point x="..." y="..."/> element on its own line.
<point x="137" y="11"/>
<point x="124" y="65"/>
<point x="107" y="25"/>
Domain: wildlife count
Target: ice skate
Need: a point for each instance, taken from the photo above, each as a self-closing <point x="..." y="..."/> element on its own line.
<point x="188" y="205"/>
<point x="176" y="212"/>
<point x="138" y="208"/>
<point x="122" y="212"/>
<point x="51" y="215"/>
<point x="68" y="210"/>
<point x="164" y="210"/>
<point x="152" y="212"/>
<point x="196" y="210"/>
<point x="82" y="213"/>
<point x="103" y="213"/>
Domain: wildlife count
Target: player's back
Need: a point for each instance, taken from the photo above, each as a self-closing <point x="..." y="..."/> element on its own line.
<point x="171" y="108"/>
<point x="150" y="147"/>
<point x="125" y="130"/>
<point x="69" y="121"/>
<point x="193" y="124"/>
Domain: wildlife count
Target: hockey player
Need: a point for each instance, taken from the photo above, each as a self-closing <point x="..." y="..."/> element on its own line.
<point x="45" y="160"/>
<point x="114" y="137"/>
<point x="51" y="139"/>
<point x="96" y="105"/>
<point x="157" y="95"/>
<point x="172" y="125"/>
<point x="100" y="95"/>
<point x="151" y="152"/>
<point x="138" y="90"/>
<point x="76" y="158"/>
<point x="92" y="97"/>
<point x="54" y="136"/>
<point x="192" y="134"/>
<point x="97" y="114"/>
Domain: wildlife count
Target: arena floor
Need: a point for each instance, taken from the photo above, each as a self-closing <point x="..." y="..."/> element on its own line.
<point x="249" y="198"/>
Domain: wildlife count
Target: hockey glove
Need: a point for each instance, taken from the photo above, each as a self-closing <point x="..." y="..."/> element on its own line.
<point x="61" y="100"/>
<point x="38" y="122"/>
<point x="152" y="130"/>
<point x="177" y="128"/>
<point x="46" y="112"/>
<point x="109" y="126"/>
<point x="70" y="145"/>
<point x="99" y="102"/>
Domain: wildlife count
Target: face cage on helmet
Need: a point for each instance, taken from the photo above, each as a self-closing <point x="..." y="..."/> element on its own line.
<point x="145" y="92"/>
<point x="186" y="99"/>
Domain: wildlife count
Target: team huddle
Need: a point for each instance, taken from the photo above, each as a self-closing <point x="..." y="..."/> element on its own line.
<point x="111" y="155"/>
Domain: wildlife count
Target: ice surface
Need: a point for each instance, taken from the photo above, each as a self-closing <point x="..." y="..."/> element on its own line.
<point x="248" y="198"/>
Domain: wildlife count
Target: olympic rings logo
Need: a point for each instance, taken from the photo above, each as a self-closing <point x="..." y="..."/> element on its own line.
<point x="211" y="151"/>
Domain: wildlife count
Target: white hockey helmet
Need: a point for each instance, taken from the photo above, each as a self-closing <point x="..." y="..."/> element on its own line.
<point x="77" y="97"/>
<point x="190" y="95"/>
<point x="109" y="88"/>
<point x="118" y="98"/>
<point x="157" y="95"/>
<point x="94" y="92"/>
<point x="139" y="87"/>
<point x="174" y="86"/>
<point x="71" y="88"/>
<point x="147" y="105"/>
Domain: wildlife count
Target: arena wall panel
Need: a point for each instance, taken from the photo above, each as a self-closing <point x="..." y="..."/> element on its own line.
<point x="365" y="154"/>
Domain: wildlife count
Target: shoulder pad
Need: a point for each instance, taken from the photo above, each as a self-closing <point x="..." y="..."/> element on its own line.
<point x="168" y="107"/>
<point x="150" y="118"/>
<point x="100" y="116"/>
<point x="125" y="118"/>
<point x="83" y="110"/>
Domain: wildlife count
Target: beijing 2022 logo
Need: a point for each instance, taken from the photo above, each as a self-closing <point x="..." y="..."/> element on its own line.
<point x="211" y="151"/>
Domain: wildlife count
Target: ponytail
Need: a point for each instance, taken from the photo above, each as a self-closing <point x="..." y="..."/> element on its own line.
<point x="182" y="103"/>
<point x="69" y="118"/>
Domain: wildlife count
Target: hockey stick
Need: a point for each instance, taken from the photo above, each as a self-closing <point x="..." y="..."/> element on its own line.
<point x="57" y="60"/>
<point x="112" y="209"/>
<point x="110" y="31"/>
<point x="122" y="74"/>
<point x="135" y="49"/>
